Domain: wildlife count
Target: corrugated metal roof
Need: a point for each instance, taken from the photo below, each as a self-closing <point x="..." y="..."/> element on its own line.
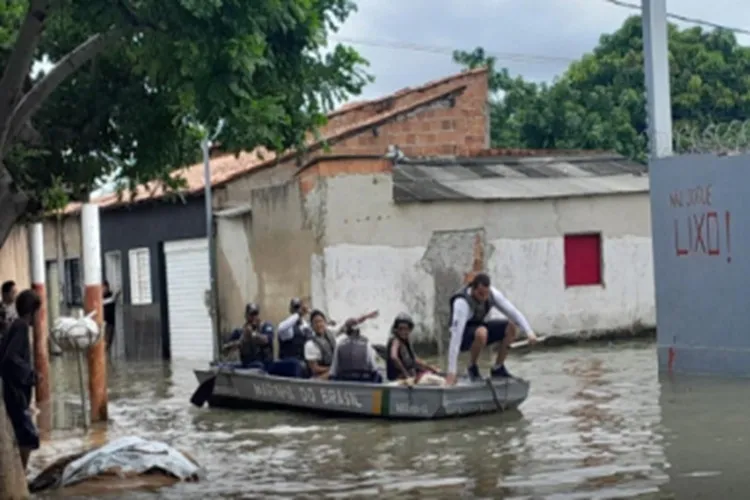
<point x="516" y="178"/>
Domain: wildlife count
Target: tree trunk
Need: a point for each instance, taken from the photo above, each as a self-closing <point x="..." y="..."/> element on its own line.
<point x="12" y="205"/>
<point x="19" y="63"/>
<point x="13" y="485"/>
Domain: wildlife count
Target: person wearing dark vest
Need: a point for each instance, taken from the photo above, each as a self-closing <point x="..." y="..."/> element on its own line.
<point x="402" y="362"/>
<point x="319" y="348"/>
<point x="293" y="333"/>
<point x="254" y="340"/>
<point x="472" y="331"/>
<point x="354" y="359"/>
<point x="18" y="375"/>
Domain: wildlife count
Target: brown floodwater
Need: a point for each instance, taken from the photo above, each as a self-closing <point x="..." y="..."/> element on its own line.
<point x="598" y="424"/>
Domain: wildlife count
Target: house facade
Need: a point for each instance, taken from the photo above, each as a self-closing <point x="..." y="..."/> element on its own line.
<point x="567" y="238"/>
<point x="267" y="236"/>
<point x="155" y="253"/>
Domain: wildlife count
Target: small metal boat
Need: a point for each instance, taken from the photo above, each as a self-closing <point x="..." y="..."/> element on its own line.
<point x="253" y="388"/>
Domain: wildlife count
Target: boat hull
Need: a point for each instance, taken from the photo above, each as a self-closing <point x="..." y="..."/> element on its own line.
<point x="239" y="388"/>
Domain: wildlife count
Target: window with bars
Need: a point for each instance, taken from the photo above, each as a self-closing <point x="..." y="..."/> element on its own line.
<point x="139" y="260"/>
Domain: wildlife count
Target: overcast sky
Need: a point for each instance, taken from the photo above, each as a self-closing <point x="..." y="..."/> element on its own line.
<point x="533" y="38"/>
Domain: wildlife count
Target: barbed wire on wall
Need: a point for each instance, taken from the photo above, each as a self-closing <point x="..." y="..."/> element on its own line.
<point x="718" y="138"/>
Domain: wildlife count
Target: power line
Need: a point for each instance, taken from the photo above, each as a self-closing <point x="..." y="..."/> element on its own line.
<point x="434" y="49"/>
<point x="686" y="19"/>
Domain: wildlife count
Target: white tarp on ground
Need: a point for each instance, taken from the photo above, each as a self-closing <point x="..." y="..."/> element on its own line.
<point x="131" y="456"/>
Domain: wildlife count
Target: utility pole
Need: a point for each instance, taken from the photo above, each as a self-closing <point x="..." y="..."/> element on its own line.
<point x="213" y="301"/>
<point x="656" y="61"/>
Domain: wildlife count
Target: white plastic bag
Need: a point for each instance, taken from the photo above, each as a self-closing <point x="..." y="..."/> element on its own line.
<point x="75" y="333"/>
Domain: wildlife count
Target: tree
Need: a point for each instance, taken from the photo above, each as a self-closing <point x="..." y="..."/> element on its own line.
<point x="127" y="74"/>
<point x="599" y="101"/>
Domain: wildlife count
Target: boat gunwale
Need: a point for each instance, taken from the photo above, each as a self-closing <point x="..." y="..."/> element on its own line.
<point x="261" y="375"/>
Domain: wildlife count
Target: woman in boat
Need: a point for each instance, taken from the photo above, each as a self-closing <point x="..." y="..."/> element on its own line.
<point x="402" y="362"/>
<point x="319" y="349"/>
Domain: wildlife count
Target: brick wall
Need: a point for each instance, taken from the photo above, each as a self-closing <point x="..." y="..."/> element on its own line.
<point x="451" y="126"/>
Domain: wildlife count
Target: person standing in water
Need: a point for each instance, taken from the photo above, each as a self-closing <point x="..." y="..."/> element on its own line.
<point x="109" y="302"/>
<point x="472" y="331"/>
<point x="18" y="375"/>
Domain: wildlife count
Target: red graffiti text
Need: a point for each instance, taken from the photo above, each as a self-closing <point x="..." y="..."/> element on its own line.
<point x="703" y="233"/>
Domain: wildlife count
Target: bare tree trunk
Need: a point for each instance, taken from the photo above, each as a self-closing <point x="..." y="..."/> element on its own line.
<point x="12" y="204"/>
<point x="19" y="65"/>
<point x="13" y="485"/>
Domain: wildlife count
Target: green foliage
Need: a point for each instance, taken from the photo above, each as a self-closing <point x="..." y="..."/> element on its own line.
<point x="260" y="65"/>
<point x="599" y="102"/>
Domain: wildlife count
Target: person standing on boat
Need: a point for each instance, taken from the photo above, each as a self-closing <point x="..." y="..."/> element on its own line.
<point x="402" y="362"/>
<point x="254" y="340"/>
<point x="319" y="348"/>
<point x="354" y="358"/>
<point x="294" y="332"/>
<point x="472" y="331"/>
<point x="18" y="375"/>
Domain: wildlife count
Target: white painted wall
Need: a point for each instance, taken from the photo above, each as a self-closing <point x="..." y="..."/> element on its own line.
<point x="373" y="250"/>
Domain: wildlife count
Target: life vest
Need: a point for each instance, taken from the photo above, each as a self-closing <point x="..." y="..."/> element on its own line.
<point x="251" y="352"/>
<point x="479" y="310"/>
<point x="405" y="355"/>
<point x="327" y="344"/>
<point x="295" y="347"/>
<point x="352" y="360"/>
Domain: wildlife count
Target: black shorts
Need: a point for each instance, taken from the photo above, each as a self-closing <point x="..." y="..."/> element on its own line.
<point x="495" y="332"/>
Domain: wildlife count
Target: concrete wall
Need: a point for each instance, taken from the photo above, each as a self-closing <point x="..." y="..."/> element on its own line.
<point x="264" y="257"/>
<point x="14" y="258"/>
<point x="411" y="257"/>
<point x="700" y="264"/>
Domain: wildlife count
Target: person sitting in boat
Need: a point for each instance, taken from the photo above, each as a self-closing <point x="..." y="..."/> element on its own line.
<point x="471" y="330"/>
<point x="354" y="358"/>
<point x="319" y="348"/>
<point x="294" y="332"/>
<point x="402" y="363"/>
<point x="254" y="340"/>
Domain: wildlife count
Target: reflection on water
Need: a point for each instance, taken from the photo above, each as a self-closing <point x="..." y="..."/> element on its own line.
<point x="597" y="425"/>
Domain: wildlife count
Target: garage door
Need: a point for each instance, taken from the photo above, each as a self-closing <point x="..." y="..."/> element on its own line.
<point x="188" y="279"/>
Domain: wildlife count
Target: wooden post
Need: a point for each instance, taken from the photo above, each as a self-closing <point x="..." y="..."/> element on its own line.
<point x="41" y="340"/>
<point x="92" y="279"/>
<point x="13" y="485"/>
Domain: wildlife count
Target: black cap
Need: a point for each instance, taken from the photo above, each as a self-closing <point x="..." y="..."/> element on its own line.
<point x="251" y="309"/>
<point x="295" y="304"/>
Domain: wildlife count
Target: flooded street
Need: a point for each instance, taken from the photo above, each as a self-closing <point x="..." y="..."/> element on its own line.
<point x="597" y="424"/>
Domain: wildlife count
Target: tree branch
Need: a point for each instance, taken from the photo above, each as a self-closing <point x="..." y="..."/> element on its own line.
<point x="68" y="65"/>
<point x="19" y="64"/>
